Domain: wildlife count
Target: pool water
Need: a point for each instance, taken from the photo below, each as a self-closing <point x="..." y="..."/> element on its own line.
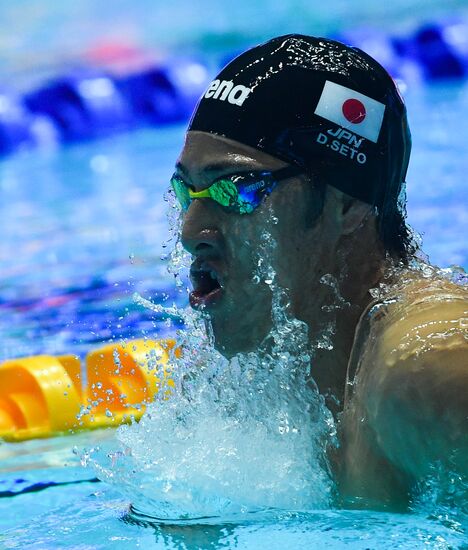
<point x="84" y="228"/>
<point x="82" y="237"/>
<point x="82" y="514"/>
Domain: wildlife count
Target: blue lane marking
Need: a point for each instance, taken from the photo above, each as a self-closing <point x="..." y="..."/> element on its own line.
<point x="41" y="486"/>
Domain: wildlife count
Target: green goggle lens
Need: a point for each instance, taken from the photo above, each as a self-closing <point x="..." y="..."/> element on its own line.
<point x="241" y="193"/>
<point x="225" y="192"/>
<point x="181" y="192"/>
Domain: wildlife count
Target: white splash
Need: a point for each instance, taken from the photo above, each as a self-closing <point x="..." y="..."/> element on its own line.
<point x="236" y="437"/>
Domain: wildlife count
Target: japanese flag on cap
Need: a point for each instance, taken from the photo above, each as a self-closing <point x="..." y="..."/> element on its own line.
<point x="356" y="112"/>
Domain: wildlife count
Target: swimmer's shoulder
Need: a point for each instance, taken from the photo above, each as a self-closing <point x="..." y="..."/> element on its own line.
<point x="411" y="371"/>
<point x="429" y="312"/>
<point x="417" y="315"/>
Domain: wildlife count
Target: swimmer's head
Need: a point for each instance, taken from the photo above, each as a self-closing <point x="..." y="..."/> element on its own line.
<point x="313" y="135"/>
<point x="328" y="108"/>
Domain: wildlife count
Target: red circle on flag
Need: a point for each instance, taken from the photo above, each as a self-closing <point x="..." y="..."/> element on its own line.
<point x="354" y="111"/>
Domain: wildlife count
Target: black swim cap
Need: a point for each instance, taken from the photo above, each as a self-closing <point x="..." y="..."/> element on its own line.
<point x="314" y="102"/>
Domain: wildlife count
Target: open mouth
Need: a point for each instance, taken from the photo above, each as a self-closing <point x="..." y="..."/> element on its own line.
<point x="207" y="288"/>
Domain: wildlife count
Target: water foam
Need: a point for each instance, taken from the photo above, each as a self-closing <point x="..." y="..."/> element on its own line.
<point x="242" y="436"/>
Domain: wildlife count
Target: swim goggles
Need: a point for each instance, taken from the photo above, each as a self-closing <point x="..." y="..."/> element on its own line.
<point x="240" y="193"/>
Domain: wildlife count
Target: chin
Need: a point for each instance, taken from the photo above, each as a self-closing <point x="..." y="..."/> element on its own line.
<point x="226" y="344"/>
<point x="230" y="342"/>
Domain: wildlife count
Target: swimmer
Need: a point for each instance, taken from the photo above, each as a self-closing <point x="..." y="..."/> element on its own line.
<point x="314" y="133"/>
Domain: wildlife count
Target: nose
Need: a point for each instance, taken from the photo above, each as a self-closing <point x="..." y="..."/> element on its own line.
<point x="201" y="235"/>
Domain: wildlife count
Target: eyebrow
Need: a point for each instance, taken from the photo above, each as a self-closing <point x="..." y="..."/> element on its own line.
<point x="220" y="167"/>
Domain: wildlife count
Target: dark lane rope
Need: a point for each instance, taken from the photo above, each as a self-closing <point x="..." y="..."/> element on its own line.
<point x="41" y="486"/>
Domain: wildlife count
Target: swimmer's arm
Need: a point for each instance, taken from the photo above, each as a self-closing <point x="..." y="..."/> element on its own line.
<point x="417" y="406"/>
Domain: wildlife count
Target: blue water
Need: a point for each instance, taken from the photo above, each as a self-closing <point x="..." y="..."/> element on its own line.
<point x="83" y="228"/>
<point x="81" y="239"/>
<point x="91" y="515"/>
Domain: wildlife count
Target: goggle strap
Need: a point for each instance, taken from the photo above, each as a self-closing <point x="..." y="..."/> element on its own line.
<point x="287" y="172"/>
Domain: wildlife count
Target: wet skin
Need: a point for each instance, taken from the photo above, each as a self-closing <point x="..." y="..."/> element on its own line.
<point x="342" y="242"/>
<point x="406" y="411"/>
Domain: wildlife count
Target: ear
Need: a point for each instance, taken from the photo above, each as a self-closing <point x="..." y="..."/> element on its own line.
<point x="348" y="212"/>
<point x="354" y="214"/>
